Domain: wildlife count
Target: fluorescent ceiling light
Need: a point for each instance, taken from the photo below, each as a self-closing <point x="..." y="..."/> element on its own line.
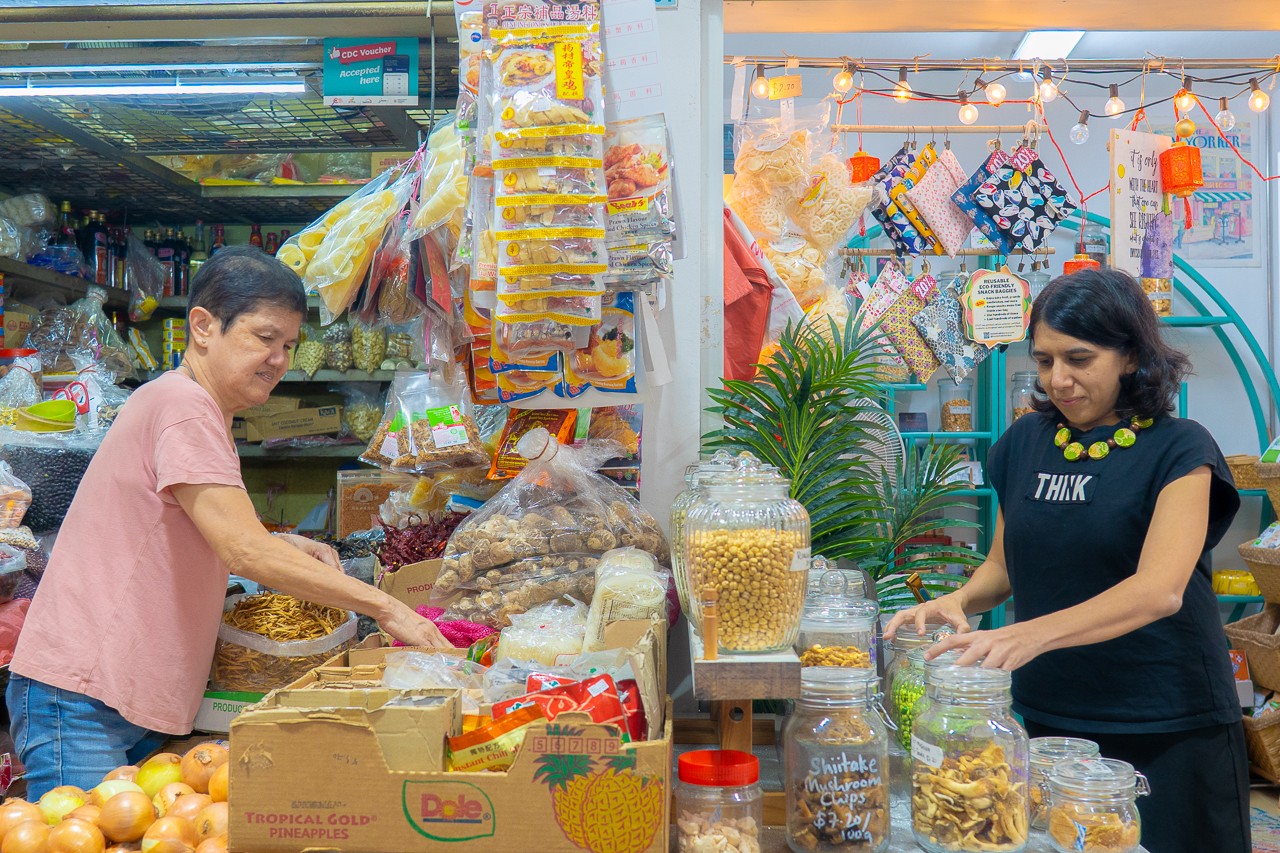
<point x="119" y="67"/>
<point x="1048" y="44"/>
<point x="143" y="90"/>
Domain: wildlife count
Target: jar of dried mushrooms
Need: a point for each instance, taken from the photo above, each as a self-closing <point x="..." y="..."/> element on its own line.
<point x="1093" y="806"/>
<point x="1045" y="753"/>
<point x="750" y="542"/>
<point x="969" y="765"/>
<point x="836" y="755"/>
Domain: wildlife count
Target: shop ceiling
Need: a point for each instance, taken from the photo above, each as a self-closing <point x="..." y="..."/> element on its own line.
<point x="867" y="16"/>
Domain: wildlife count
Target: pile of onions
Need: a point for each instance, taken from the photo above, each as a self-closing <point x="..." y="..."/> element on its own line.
<point x="170" y="804"/>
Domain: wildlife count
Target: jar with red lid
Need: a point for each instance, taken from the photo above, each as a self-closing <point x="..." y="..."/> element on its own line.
<point x="719" y="804"/>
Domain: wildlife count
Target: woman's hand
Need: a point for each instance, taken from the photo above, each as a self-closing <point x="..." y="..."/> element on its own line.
<point x="1003" y="648"/>
<point x="413" y="630"/>
<point x="945" y="609"/>
<point x="312" y="548"/>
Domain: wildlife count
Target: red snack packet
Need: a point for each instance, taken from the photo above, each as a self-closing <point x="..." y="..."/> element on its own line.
<point x="633" y="709"/>
<point x="596" y="696"/>
<point x="540" y="681"/>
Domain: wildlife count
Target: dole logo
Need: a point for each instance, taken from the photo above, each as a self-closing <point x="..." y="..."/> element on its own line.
<point x="449" y="811"/>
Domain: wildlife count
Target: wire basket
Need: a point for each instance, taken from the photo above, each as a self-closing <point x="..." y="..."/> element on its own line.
<point x="1264" y="563"/>
<point x="1243" y="471"/>
<point x="1262" y="739"/>
<point x="1256" y="637"/>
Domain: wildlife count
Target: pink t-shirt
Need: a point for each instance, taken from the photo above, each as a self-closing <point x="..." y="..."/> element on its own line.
<point x="128" y="610"/>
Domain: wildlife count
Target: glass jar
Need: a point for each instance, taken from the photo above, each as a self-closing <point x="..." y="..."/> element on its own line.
<point x="835" y="755"/>
<point x="956" y="402"/>
<point x="904" y="677"/>
<point x="718" y="800"/>
<point x="1022" y="391"/>
<point x="696" y="478"/>
<point x="1038" y="279"/>
<point x="749" y="541"/>
<point x="1046" y="752"/>
<point x="969" y="759"/>
<point x="837" y="628"/>
<point x="1093" y="242"/>
<point x="1093" y="806"/>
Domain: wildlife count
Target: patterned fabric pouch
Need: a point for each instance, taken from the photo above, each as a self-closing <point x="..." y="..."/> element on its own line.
<point x="915" y="233"/>
<point x="1025" y="201"/>
<point x="963" y="198"/>
<point x="897" y="325"/>
<point x="889" y="285"/>
<point x="941" y="324"/>
<point x="950" y="225"/>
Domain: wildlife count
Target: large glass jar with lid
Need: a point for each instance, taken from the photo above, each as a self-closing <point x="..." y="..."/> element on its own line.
<point x="835" y="754"/>
<point x="970" y="765"/>
<point x="1093" y="805"/>
<point x="1045" y="753"/>
<point x="838" y="627"/>
<point x="749" y="541"/>
<point x="1022" y="392"/>
<point x="696" y="478"/>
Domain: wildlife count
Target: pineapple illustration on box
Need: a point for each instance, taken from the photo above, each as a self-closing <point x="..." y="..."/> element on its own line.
<point x="607" y="809"/>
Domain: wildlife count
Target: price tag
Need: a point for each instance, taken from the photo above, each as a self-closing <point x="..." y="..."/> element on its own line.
<point x="785" y="86"/>
<point x="923" y="751"/>
<point x="997" y="307"/>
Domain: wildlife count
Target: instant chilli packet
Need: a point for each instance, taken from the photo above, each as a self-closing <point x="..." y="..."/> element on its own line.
<point x="493" y="746"/>
<point x="596" y="696"/>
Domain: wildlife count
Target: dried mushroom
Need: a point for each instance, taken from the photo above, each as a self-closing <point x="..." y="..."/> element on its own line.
<point x="972" y="803"/>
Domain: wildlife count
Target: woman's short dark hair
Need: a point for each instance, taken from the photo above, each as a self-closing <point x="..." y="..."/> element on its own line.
<point x="238" y="280"/>
<point x="1108" y="308"/>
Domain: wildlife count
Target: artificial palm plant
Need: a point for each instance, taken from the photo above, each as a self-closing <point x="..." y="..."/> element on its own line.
<point x="800" y="414"/>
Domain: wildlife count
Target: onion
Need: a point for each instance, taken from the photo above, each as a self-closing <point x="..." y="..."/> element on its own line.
<point x="131" y="847"/>
<point x="61" y="801"/>
<point x="169" y="835"/>
<point x="211" y="822"/>
<point x="199" y="764"/>
<point x="27" y="837"/>
<point x="188" y="806"/>
<point x="75" y="836"/>
<point x="87" y="812"/>
<point x="127" y="772"/>
<point x="14" y="812"/>
<point x="99" y="795"/>
<point x="219" y="783"/>
<point x="217" y="844"/>
<point x="158" y="771"/>
<point x="168" y="794"/>
<point x="127" y="816"/>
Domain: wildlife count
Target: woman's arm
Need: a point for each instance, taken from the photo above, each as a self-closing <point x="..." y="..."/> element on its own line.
<point x="988" y="587"/>
<point x="226" y="518"/>
<point x="1169" y="553"/>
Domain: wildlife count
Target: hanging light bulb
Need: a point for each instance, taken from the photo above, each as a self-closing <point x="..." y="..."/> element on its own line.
<point x="968" y="112"/>
<point x="1258" y="99"/>
<point x="1114" y="106"/>
<point x="1184" y="100"/>
<point x="760" y="86"/>
<point x="902" y="92"/>
<point x="843" y="81"/>
<point x="1225" y="118"/>
<point x="1048" y="88"/>
<point x="1080" y="131"/>
<point x="996" y="93"/>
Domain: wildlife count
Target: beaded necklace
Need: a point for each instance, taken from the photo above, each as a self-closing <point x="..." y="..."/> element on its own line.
<point x="1125" y="436"/>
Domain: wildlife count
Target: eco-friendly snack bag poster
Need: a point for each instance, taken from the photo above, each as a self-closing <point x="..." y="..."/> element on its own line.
<point x="371" y="72"/>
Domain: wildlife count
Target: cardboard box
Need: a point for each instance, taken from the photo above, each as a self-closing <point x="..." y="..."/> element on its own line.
<point x="411" y="584"/>
<point x="218" y="709"/>
<point x="324" y="420"/>
<point x="346" y="770"/>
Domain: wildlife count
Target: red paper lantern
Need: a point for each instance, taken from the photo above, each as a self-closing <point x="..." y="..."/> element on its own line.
<point x="1180" y="170"/>
<point x="862" y="166"/>
<point x="1080" y="262"/>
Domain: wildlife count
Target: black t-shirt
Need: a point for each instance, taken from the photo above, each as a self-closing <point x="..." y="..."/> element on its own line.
<point x="1076" y="529"/>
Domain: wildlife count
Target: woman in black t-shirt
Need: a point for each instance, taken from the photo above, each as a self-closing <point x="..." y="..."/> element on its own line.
<point x="1109" y="510"/>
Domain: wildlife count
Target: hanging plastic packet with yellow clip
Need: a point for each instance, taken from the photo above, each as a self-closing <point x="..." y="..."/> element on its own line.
<point x="608" y="361"/>
<point x="548" y="251"/>
<point x="298" y="250"/>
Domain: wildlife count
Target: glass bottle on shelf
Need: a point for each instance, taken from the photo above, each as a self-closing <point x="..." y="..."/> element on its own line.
<point x="956" y="405"/>
<point x="255" y="235"/>
<point x="696" y="477"/>
<point x="66" y="226"/>
<point x="1045" y="753"/>
<point x="199" y="249"/>
<point x="970" y="765"/>
<point x="749" y="541"/>
<point x="219" y="240"/>
<point x="1093" y="805"/>
<point x="272" y="244"/>
<point x="166" y="250"/>
<point x="718" y="797"/>
<point x="1022" y="391"/>
<point x="838" y="627"/>
<point x="835" y="755"/>
<point x="182" y="262"/>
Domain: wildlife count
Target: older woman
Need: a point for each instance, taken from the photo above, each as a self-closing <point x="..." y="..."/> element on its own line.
<point x="118" y="641"/>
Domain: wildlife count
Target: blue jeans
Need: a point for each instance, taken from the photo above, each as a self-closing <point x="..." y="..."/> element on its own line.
<point x="66" y="738"/>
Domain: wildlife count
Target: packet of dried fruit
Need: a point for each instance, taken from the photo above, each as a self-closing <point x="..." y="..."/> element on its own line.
<point x="427" y="425"/>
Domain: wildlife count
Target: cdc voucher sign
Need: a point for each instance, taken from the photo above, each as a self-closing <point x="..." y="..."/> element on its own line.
<point x="371" y="72"/>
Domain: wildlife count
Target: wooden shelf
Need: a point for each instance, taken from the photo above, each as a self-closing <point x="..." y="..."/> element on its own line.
<point x="757" y="676"/>
<point x="19" y="273"/>
<point x="328" y="451"/>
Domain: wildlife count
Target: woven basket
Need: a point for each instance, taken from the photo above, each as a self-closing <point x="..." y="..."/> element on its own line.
<point x="1269" y="476"/>
<point x="1262" y="738"/>
<point x="1256" y="637"/>
<point x="1264" y="563"/>
<point x="1243" y="471"/>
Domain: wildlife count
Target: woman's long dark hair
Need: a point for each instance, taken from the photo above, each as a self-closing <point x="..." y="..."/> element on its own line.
<point x="1108" y="308"/>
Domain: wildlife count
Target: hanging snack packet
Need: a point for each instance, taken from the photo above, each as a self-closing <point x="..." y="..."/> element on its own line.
<point x="830" y="206"/>
<point x="507" y="462"/>
<point x="511" y="147"/>
<point x="298" y="250"/>
<point x="547" y="251"/>
<point x="546" y="73"/>
<point x="637" y="177"/>
<point x="470" y="24"/>
<point x="608" y="361"/>
<point x="444" y="181"/>
<point x="493" y="746"/>
<point x="567" y="213"/>
<point x="516" y="385"/>
<point x="522" y="287"/>
<point x="799" y="264"/>
<point x="571" y="310"/>
<point x="427" y="425"/>
<point x="523" y="343"/>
